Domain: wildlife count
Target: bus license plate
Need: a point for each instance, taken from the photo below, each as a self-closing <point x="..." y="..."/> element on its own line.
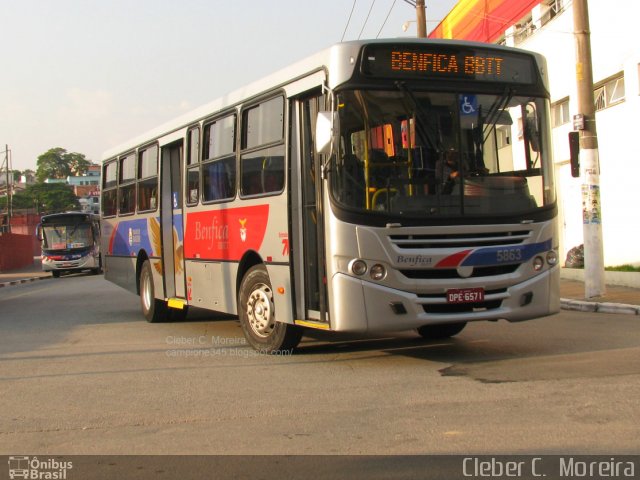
<point x="465" y="295"/>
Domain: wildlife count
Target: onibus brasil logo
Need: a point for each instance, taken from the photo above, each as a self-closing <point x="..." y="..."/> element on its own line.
<point x="33" y="468"/>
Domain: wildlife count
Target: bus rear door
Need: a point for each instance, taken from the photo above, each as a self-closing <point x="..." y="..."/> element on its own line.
<point x="171" y="211"/>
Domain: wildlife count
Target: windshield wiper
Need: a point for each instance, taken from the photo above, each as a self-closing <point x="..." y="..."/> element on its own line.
<point x="493" y="115"/>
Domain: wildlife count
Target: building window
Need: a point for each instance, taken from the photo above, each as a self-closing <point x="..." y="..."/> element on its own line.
<point x="560" y="112"/>
<point x="524" y="29"/>
<point x="503" y="136"/>
<point x="551" y="9"/>
<point x="609" y="93"/>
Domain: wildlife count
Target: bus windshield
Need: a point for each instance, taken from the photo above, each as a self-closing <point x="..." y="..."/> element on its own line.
<point x="67" y="237"/>
<point x="418" y="154"/>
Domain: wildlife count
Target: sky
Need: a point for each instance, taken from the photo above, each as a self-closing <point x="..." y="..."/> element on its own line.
<point x="87" y="75"/>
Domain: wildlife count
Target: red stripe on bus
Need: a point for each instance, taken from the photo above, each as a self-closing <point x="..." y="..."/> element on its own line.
<point x="225" y="234"/>
<point x="453" y="260"/>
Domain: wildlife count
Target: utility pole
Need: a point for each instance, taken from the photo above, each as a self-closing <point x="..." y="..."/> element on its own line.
<point x="594" y="284"/>
<point x="6" y="159"/>
<point x="421" y="19"/>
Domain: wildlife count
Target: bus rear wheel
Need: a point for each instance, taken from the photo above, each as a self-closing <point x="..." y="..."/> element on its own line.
<point x="154" y="310"/>
<point x="446" y="330"/>
<point x="256" y="311"/>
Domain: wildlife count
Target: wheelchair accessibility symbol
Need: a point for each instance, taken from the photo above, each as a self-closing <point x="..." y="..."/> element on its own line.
<point x="468" y="104"/>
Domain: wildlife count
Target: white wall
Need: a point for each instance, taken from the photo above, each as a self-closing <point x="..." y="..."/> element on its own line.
<point x="615" y="44"/>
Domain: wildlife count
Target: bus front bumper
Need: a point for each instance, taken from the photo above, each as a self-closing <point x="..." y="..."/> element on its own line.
<point x="83" y="263"/>
<point x="361" y="306"/>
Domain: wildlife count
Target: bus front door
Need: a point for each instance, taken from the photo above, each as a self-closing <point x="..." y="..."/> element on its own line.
<point x="312" y="269"/>
<point x="172" y="221"/>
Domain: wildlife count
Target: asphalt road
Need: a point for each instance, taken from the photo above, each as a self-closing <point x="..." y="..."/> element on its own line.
<point x="82" y="373"/>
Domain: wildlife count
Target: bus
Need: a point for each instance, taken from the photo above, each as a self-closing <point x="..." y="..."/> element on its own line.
<point x="318" y="198"/>
<point x="70" y="242"/>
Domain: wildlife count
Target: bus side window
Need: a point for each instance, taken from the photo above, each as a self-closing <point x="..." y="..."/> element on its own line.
<point x="193" y="167"/>
<point x="273" y="174"/>
<point x="251" y="176"/>
<point x="219" y="179"/>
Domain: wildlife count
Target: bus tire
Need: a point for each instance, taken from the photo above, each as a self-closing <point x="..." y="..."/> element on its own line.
<point x="256" y="311"/>
<point x="154" y="310"/>
<point x="446" y="330"/>
<point x="98" y="269"/>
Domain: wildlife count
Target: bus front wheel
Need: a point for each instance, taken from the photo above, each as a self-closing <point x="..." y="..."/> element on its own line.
<point x="256" y="310"/>
<point x="154" y="310"/>
<point x="446" y="330"/>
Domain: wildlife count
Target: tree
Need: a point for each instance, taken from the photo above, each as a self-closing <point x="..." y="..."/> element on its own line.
<point x="45" y="198"/>
<point x="58" y="163"/>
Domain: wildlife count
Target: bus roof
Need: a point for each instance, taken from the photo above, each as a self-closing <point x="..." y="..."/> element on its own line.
<point x="335" y="61"/>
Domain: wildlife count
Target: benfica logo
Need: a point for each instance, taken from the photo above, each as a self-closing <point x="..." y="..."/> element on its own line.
<point x="243" y="229"/>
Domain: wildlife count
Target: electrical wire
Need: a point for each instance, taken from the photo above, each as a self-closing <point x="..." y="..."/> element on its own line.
<point x="348" y="20"/>
<point x="385" y="20"/>
<point x="367" y="19"/>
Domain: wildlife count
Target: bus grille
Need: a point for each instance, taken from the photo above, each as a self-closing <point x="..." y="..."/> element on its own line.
<point x="450" y="308"/>
<point x="444" y="273"/>
<point x="459" y="240"/>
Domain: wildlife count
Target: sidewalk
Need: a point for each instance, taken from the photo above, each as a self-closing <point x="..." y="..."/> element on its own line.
<point x="31" y="273"/>
<point x="616" y="300"/>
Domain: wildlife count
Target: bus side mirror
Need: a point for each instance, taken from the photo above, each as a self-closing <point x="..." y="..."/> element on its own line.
<point x="39" y="232"/>
<point x="326" y="131"/>
<point x="574" y="151"/>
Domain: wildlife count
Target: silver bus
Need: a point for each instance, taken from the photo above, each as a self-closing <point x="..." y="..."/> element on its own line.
<point x="376" y="186"/>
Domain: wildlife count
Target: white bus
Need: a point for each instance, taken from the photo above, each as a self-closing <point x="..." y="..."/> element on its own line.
<point x="376" y="186"/>
<point x="70" y="242"/>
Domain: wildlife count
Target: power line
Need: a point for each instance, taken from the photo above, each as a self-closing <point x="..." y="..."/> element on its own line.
<point x="348" y="20"/>
<point x="367" y="19"/>
<point x="385" y="20"/>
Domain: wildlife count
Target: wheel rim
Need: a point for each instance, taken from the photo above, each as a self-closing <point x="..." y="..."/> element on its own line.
<point x="260" y="310"/>
<point x="146" y="292"/>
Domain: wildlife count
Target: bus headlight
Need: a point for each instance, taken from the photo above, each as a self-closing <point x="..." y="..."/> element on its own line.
<point x="552" y="257"/>
<point x="358" y="267"/>
<point x="378" y="272"/>
<point x="538" y="263"/>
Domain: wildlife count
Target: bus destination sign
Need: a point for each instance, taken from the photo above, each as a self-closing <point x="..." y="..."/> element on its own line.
<point x="412" y="61"/>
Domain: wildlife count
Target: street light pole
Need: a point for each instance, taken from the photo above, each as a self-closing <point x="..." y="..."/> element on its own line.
<point x="594" y="283"/>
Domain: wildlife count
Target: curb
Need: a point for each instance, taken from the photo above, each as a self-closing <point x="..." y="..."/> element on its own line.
<point x="599" y="307"/>
<point x="23" y="280"/>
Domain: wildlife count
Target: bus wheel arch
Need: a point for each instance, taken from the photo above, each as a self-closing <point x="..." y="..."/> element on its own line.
<point x="154" y="310"/>
<point x="256" y="312"/>
<point x="249" y="259"/>
<point x="142" y="257"/>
